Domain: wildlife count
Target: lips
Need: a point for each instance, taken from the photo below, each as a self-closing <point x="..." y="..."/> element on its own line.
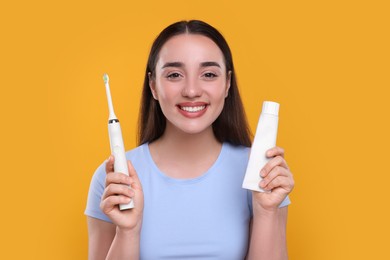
<point x="192" y="109"/>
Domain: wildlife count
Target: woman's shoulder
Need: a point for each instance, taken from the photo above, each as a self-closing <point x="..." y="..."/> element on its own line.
<point x="139" y="150"/>
<point x="140" y="157"/>
<point x="235" y="154"/>
<point x="132" y="154"/>
<point x="236" y="150"/>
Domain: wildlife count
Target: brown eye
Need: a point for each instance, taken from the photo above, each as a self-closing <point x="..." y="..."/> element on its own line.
<point x="210" y="75"/>
<point x="173" y="75"/>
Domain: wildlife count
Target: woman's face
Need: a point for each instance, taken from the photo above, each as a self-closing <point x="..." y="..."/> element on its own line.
<point x="190" y="82"/>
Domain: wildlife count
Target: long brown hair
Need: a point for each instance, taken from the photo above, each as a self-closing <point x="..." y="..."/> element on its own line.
<point x="231" y="125"/>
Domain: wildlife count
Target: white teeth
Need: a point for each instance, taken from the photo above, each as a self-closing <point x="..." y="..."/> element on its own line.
<point x="193" y="109"/>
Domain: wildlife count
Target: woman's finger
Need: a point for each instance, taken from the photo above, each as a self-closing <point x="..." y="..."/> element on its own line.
<point x="134" y="176"/>
<point x="275" y="152"/>
<point x="284" y="182"/>
<point x="117" y="189"/>
<point x="274" y="162"/>
<point x="110" y="164"/>
<point x="275" y="172"/>
<point x="117" y="178"/>
<point x="109" y="203"/>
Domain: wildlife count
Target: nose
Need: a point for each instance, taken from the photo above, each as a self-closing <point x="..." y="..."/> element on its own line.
<point x="192" y="89"/>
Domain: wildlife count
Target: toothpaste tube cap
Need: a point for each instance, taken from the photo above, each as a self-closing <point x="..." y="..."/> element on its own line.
<point x="271" y="108"/>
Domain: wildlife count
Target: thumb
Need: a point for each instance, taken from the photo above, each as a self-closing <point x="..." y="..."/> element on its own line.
<point x="110" y="164"/>
<point x="133" y="174"/>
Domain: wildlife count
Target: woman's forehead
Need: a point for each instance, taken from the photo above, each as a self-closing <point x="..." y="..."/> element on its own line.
<point x="190" y="48"/>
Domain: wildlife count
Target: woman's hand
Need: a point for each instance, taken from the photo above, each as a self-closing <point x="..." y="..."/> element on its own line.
<point x="277" y="181"/>
<point x="117" y="192"/>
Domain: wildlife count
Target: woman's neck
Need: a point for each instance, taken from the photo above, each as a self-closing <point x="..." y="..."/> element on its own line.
<point x="183" y="155"/>
<point x="180" y="141"/>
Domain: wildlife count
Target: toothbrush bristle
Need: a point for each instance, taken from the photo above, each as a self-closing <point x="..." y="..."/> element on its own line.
<point x="106" y="78"/>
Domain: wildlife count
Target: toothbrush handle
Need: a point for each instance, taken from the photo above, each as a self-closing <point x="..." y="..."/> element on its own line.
<point x="118" y="150"/>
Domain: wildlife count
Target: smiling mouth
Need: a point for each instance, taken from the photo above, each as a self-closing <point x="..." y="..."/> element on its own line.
<point x="192" y="109"/>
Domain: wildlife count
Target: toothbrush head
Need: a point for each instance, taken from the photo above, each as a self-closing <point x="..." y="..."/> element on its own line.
<point x="110" y="107"/>
<point x="105" y="78"/>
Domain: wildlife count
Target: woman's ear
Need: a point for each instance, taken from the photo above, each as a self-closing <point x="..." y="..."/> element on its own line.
<point x="152" y="85"/>
<point x="228" y="83"/>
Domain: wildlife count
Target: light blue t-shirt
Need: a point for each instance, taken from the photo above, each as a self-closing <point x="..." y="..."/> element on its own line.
<point x="202" y="218"/>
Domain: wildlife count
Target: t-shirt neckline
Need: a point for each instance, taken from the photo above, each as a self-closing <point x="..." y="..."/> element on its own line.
<point x="189" y="180"/>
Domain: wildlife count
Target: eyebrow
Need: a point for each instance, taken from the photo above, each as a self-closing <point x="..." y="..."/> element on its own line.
<point x="177" y="64"/>
<point x="210" y="64"/>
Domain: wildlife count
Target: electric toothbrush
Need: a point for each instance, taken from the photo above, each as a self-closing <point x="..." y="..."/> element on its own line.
<point x="116" y="141"/>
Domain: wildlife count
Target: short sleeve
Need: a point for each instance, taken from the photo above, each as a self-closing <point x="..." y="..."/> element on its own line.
<point x="285" y="202"/>
<point x="95" y="193"/>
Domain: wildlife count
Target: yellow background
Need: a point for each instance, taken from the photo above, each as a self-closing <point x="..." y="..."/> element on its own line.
<point x="326" y="62"/>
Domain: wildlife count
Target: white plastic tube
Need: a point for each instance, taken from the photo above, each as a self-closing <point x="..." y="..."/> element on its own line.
<point x="265" y="139"/>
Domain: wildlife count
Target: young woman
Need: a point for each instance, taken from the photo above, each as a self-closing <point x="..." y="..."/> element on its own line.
<point x="187" y="173"/>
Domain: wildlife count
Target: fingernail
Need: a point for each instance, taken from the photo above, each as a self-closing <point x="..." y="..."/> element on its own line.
<point x="262" y="173"/>
<point x="262" y="183"/>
